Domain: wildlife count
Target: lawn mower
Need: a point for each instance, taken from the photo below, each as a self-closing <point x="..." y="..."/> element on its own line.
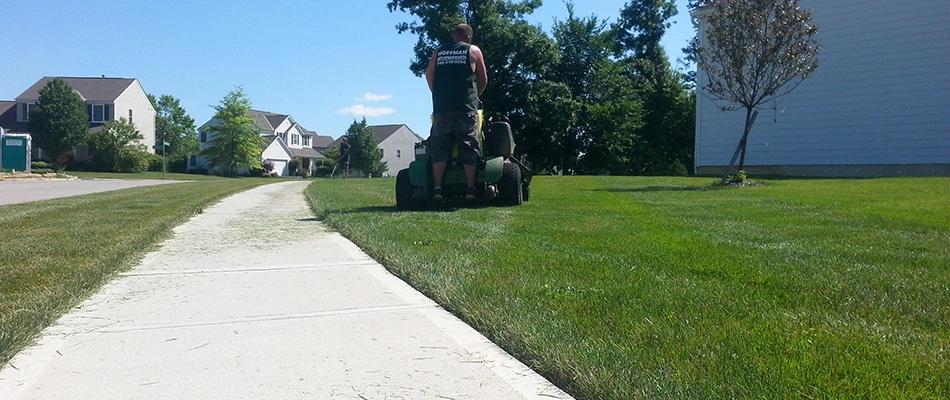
<point x="501" y="178"/>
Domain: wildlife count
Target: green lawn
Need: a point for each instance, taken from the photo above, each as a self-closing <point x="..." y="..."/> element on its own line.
<point x="55" y="253"/>
<point x="627" y="287"/>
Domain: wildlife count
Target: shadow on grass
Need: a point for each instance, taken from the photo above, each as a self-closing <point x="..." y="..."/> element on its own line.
<point x="665" y="189"/>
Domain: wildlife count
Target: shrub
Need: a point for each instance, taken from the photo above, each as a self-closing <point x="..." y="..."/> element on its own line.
<point x="40" y="165"/>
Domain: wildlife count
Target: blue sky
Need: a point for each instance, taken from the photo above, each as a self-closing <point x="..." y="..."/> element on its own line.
<point x="326" y="63"/>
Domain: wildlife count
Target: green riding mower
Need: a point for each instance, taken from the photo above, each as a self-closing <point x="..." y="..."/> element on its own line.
<point x="500" y="178"/>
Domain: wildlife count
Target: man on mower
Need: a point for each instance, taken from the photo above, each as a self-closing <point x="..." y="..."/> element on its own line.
<point x="456" y="76"/>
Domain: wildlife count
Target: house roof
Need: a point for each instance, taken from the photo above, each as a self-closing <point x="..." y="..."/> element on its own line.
<point x="8" y="118"/>
<point x="381" y="133"/>
<point x="306" y="152"/>
<point x="322" y="141"/>
<point x="90" y="89"/>
<point x="266" y="120"/>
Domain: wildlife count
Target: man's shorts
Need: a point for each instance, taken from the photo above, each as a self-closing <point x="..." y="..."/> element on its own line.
<point x="451" y="127"/>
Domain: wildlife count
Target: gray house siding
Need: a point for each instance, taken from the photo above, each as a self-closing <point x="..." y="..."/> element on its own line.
<point x="878" y="105"/>
<point x="398" y="149"/>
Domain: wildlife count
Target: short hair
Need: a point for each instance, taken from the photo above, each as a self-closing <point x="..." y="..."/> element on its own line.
<point x="464" y="29"/>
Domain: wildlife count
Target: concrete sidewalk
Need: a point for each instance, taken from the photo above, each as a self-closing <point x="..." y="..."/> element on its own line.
<point x="255" y="299"/>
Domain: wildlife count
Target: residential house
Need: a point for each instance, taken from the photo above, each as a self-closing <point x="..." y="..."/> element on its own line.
<point x="397" y="143"/>
<point x="285" y="140"/>
<point x="106" y="99"/>
<point x="878" y="104"/>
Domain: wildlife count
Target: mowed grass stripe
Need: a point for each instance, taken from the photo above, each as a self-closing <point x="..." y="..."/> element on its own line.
<point x="624" y="287"/>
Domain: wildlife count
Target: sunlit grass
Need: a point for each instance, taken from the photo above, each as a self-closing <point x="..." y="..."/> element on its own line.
<point x="620" y="288"/>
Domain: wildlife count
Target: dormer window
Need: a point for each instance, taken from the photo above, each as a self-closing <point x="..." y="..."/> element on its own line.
<point x="27" y="108"/>
<point x="97" y="113"/>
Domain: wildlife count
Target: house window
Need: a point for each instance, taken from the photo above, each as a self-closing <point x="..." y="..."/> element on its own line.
<point x="306" y="141"/>
<point x="398" y="154"/>
<point x="193" y="161"/>
<point x="295" y="139"/>
<point x="203" y="137"/>
<point x="97" y="113"/>
<point x="382" y="152"/>
<point x="130" y="115"/>
<point x="28" y="107"/>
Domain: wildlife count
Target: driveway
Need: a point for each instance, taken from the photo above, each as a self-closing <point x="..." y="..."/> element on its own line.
<point x="27" y="190"/>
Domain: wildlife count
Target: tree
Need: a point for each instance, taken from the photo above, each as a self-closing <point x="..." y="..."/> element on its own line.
<point x="175" y="126"/>
<point x="117" y="148"/>
<point x="517" y="54"/>
<point x="235" y="142"/>
<point x="58" y="121"/>
<point x="667" y="136"/>
<point x="365" y="154"/>
<point x="604" y="133"/>
<point x="755" y="51"/>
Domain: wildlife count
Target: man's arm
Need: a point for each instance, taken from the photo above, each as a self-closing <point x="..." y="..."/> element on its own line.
<point x="481" y="73"/>
<point x="430" y="70"/>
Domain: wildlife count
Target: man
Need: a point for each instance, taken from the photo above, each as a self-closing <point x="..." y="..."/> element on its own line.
<point x="343" y="161"/>
<point x="456" y="75"/>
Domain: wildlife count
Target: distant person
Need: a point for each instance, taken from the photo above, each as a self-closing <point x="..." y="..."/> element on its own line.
<point x="456" y="75"/>
<point x="343" y="161"/>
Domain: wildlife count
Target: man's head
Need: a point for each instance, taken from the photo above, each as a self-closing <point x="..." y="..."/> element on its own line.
<point x="463" y="33"/>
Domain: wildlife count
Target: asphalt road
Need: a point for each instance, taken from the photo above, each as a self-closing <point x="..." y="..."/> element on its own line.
<point x="23" y="190"/>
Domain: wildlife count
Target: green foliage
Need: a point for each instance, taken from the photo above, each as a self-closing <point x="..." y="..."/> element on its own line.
<point x="234" y="142"/>
<point x="293" y="166"/>
<point x="40" y="165"/>
<point x="365" y="154"/>
<point x="175" y="126"/>
<point x="558" y="92"/>
<point x="117" y="148"/>
<point x="58" y="121"/>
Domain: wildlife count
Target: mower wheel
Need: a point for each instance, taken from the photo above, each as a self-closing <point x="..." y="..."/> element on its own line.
<point x="509" y="186"/>
<point x="404" y="189"/>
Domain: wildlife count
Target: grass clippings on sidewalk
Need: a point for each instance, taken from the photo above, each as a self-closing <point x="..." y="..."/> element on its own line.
<point x="624" y="287"/>
<point x="55" y="253"/>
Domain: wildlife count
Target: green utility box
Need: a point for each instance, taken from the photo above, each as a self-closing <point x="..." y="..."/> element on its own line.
<point x="15" y="152"/>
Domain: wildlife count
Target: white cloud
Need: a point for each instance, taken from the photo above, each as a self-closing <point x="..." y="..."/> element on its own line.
<point x="365" y="111"/>
<point x="375" y="97"/>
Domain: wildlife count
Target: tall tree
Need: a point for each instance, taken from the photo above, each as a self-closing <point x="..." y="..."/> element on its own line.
<point x="755" y="51"/>
<point x="175" y="126"/>
<point x="667" y="136"/>
<point x="365" y="154"/>
<point x="117" y="147"/>
<point x="234" y="142"/>
<point x="517" y="54"/>
<point x="604" y="134"/>
<point x="58" y="121"/>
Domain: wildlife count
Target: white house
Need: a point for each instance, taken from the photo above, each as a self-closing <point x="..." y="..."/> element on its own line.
<point x="285" y="139"/>
<point x="106" y="99"/>
<point x="878" y="104"/>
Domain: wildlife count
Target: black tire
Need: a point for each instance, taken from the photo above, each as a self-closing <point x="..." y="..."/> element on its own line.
<point x="404" y="189"/>
<point x="509" y="186"/>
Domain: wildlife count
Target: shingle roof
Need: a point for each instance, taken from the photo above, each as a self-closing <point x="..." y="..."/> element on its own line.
<point x="8" y="118"/>
<point x="306" y="152"/>
<point x="381" y="133"/>
<point x="91" y="89"/>
<point x="322" y="141"/>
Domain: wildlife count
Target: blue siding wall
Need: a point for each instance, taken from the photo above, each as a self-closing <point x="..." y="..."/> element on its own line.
<point x="880" y="96"/>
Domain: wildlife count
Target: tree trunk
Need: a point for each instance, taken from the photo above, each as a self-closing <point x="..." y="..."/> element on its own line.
<point x="740" y="149"/>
